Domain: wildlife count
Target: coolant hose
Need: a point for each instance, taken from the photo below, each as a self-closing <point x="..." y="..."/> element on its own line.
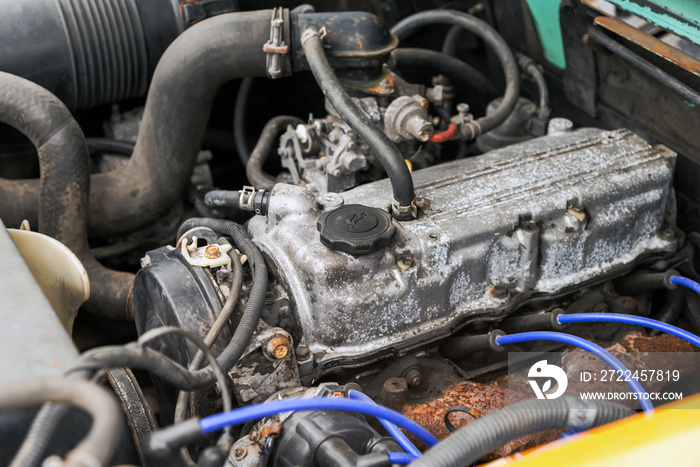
<point x="470" y="443"/>
<point x="403" y="205"/>
<point x="99" y="444"/>
<point x="63" y="186"/>
<point x="268" y="139"/>
<point x="179" y="102"/>
<point x="499" y="46"/>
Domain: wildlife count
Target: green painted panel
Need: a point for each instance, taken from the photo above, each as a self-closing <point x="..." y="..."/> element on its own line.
<point x="681" y="17"/>
<point x="546" y="16"/>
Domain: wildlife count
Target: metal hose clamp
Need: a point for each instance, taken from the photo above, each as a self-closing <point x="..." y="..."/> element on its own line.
<point x="275" y="48"/>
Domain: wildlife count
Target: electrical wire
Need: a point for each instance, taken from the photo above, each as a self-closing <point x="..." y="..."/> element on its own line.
<point x="267" y="409"/>
<point x="595" y="349"/>
<point x="216" y="368"/>
<point x="401" y="458"/>
<point x="685" y="282"/>
<point x="629" y="319"/>
<point x="392" y="429"/>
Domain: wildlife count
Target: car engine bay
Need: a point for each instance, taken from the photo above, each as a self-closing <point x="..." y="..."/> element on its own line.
<point x="339" y="233"/>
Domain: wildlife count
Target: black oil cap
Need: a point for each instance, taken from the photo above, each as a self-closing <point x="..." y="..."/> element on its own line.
<point x="356" y="229"/>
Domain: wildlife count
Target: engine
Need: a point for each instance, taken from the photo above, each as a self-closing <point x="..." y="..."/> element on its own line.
<point x="335" y="282"/>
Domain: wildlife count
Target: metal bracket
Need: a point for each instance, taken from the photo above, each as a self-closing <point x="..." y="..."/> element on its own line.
<point x="275" y="48"/>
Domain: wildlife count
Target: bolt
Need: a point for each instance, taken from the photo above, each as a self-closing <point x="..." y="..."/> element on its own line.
<point x="277" y="347"/>
<point x="413" y="377"/>
<point x="499" y="291"/>
<point x="336" y="173"/>
<point x="212" y="252"/>
<point x="303" y="353"/>
<point x="351" y="145"/>
<point x="240" y="453"/>
<point x="463" y="108"/>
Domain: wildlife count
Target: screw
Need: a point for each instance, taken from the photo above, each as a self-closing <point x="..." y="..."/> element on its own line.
<point x="277" y="347"/>
<point x="499" y="291"/>
<point x="240" y="453"/>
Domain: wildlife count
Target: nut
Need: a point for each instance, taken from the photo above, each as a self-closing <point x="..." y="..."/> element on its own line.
<point x="277" y="347"/>
<point x="499" y="291"/>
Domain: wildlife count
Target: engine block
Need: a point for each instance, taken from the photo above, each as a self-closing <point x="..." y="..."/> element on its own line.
<point x="538" y="218"/>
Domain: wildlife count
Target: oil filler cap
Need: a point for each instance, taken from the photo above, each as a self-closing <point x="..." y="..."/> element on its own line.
<point x="356" y="229"/>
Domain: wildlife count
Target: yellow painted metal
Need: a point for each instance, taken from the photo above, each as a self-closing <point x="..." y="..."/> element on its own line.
<point x="669" y="437"/>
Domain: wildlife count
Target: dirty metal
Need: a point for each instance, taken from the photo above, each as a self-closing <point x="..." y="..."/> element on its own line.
<point x="498" y="219"/>
<point x="650" y="43"/>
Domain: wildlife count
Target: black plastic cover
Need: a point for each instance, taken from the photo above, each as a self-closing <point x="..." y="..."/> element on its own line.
<point x="356" y="229"/>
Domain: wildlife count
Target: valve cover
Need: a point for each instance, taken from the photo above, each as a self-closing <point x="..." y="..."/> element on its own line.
<point x="537" y="218"/>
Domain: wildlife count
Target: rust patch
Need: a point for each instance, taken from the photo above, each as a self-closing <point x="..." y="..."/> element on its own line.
<point x="481" y="400"/>
<point x="650" y="43"/>
<point x="661" y="343"/>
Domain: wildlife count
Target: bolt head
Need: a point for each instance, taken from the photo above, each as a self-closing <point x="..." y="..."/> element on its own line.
<point x="212" y="252"/>
<point x="499" y="291"/>
<point x="240" y="453"/>
<point x="277" y="347"/>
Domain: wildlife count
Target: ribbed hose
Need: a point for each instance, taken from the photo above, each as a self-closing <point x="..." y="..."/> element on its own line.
<point x="254" y="168"/>
<point x="44" y="425"/>
<point x="179" y="102"/>
<point x="492" y="431"/>
<point x="64" y="184"/>
<point x="112" y="146"/>
<point x="692" y="310"/>
<point x="99" y="444"/>
<point x="137" y="356"/>
<point x="499" y="46"/>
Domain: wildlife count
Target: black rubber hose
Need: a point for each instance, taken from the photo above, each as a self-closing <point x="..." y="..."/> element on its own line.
<point x="64" y="184"/>
<point x="382" y="147"/>
<point x="672" y="309"/>
<point x="99" y="444"/>
<point x="470" y="443"/>
<point x="534" y="322"/>
<point x="439" y="63"/>
<point x="645" y="282"/>
<point x="499" y="46"/>
<point x="268" y="138"/>
<point x="175" y="118"/>
<point x="136" y="356"/>
<point x="240" y="110"/>
<point x="692" y="310"/>
<point x="449" y="45"/>
<point x="529" y="66"/>
<point x="112" y="146"/>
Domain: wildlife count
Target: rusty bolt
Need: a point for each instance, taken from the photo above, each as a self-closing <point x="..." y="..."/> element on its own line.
<point x="212" y="252"/>
<point x="254" y="435"/>
<point x="499" y="291"/>
<point x="240" y="453"/>
<point x="413" y="377"/>
<point x="463" y="108"/>
<point x="277" y="347"/>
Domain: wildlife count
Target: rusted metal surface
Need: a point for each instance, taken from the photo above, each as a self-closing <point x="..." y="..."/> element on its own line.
<point x="650" y="43"/>
<point x="481" y="399"/>
<point x="662" y="343"/>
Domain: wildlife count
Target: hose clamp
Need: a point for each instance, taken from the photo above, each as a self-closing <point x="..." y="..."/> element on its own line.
<point x="311" y="32"/>
<point x="247" y="198"/>
<point x="404" y="213"/>
<point x="276" y="48"/>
